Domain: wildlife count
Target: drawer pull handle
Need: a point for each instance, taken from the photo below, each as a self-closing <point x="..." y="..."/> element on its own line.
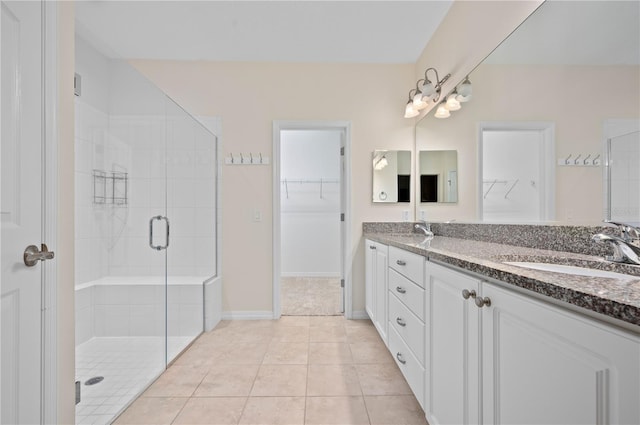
<point x="401" y="321"/>
<point x="466" y="294"/>
<point x="400" y="359"/>
<point x="372" y="247"/>
<point x="401" y="263"/>
<point x="481" y="302"/>
<point x="401" y="289"/>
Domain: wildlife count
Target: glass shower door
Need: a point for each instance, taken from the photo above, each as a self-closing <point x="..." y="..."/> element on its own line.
<point x="189" y="191"/>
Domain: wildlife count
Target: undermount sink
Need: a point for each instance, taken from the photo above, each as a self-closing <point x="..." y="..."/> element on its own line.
<point x="574" y="270"/>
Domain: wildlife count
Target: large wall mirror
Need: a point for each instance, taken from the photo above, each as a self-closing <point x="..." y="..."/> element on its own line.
<point x="391" y="176"/>
<point x="559" y="85"/>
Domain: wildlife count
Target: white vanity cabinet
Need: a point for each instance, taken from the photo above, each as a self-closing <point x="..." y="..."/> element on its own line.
<point x="376" y="275"/>
<point x="406" y="312"/>
<point x="519" y="360"/>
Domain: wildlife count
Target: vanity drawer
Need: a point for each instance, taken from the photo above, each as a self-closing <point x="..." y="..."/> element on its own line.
<point x="408" y="326"/>
<point x="408" y="292"/>
<point x="407" y="263"/>
<point x="408" y="364"/>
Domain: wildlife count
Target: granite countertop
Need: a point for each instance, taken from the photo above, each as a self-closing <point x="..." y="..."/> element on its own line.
<point x="615" y="298"/>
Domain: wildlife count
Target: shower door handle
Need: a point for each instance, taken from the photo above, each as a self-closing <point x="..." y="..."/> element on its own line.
<point x="158" y="247"/>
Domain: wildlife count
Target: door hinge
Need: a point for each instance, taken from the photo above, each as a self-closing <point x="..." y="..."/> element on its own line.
<point x="77" y="84"/>
<point x="342" y="283"/>
<point x="341" y="216"/>
<point x="342" y="151"/>
<point x="78" y="398"/>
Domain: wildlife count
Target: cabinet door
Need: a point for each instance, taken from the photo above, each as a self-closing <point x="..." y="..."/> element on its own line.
<point x="380" y="290"/>
<point x="370" y="258"/>
<point x="452" y="357"/>
<point x="545" y="365"/>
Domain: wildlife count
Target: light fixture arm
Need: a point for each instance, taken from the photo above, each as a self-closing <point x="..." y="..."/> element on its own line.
<point x="439" y="82"/>
<point x="411" y="95"/>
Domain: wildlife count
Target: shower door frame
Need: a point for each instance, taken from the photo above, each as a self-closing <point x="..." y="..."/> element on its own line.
<point x="345" y="238"/>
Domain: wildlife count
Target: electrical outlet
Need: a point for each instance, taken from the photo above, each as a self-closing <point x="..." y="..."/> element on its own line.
<point x="423" y="215"/>
<point x="405" y="215"/>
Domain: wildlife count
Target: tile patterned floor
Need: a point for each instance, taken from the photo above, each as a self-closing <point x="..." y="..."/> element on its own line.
<point x="294" y="371"/>
<point x="310" y="296"/>
<point x="128" y="365"/>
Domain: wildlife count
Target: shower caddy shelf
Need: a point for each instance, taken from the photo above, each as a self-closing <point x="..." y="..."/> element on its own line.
<point x="110" y="187"/>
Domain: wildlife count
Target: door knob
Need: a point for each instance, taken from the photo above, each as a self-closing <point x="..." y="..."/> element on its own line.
<point x="32" y="255"/>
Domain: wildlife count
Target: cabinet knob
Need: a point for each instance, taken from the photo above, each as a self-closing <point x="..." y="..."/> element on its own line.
<point x="401" y="263"/>
<point x="481" y="302"/>
<point x="466" y="294"/>
<point x="372" y="247"/>
<point x="401" y="290"/>
<point x="400" y="358"/>
<point x="400" y="321"/>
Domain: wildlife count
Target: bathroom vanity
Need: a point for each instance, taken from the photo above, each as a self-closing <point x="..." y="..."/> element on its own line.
<point x="482" y="341"/>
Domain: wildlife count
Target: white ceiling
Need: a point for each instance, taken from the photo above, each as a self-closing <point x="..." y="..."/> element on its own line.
<point x="278" y="31"/>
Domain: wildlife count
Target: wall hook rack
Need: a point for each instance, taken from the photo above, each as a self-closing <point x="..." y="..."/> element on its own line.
<point x="242" y="159"/>
<point x="580" y="160"/>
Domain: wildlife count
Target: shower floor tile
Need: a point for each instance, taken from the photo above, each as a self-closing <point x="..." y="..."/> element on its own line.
<point x="128" y="365"/>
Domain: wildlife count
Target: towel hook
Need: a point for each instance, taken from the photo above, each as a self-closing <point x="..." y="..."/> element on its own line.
<point x="566" y="161"/>
<point x="575" y="161"/>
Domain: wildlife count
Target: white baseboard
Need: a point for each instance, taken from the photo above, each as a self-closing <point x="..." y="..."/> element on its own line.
<point x="310" y="274"/>
<point x="247" y="315"/>
<point x="359" y="315"/>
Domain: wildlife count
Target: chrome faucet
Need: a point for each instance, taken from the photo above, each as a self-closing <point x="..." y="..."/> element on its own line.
<point x="425" y="227"/>
<point x="626" y="247"/>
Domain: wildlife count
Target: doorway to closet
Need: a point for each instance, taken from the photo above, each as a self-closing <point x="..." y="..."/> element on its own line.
<point x="310" y="163"/>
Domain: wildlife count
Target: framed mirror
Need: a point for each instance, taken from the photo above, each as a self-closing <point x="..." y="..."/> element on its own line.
<point x="391" y="176"/>
<point x="438" y="176"/>
<point x="572" y="78"/>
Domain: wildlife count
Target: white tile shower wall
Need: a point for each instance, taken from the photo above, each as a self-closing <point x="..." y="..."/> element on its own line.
<point x="84" y="314"/>
<point x="91" y="225"/>
<point x="139" y="310"/>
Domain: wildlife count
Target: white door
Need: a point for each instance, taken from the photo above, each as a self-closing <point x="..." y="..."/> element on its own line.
<point x="21" y="212"/>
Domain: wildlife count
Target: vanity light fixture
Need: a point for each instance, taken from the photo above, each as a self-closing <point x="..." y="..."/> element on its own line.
<point x="464" y="91"/>
<point x="453" y="104"/>
<point x="410" y="110"/>
<point x="425" y="93"/>
<point x="380" y="163"/>
<point x="432" y="91"/>
<point x="442" y="111"/>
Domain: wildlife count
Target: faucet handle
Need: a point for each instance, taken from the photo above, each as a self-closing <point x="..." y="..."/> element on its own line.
<point x="627" y="231"/>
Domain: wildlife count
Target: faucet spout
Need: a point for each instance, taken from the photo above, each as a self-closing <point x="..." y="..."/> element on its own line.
<point x="624" y="251"/>
<point x="424" y="227"/>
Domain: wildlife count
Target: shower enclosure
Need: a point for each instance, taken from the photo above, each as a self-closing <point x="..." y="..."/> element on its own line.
<point x="145" y="218"/>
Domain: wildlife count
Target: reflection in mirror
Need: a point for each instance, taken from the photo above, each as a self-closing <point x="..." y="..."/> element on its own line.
<point x="623" y="173"/>
<point x="438" y="176"/>
<point x="391" y="176"/>
<point x="575" y="77"/>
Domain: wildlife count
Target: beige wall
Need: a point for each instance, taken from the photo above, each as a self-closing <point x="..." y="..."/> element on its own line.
<point x="249" y="97"/>
<point x="65" y="243"/>
<point x="468" y="33"/>
<point x="563" y="95"/>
